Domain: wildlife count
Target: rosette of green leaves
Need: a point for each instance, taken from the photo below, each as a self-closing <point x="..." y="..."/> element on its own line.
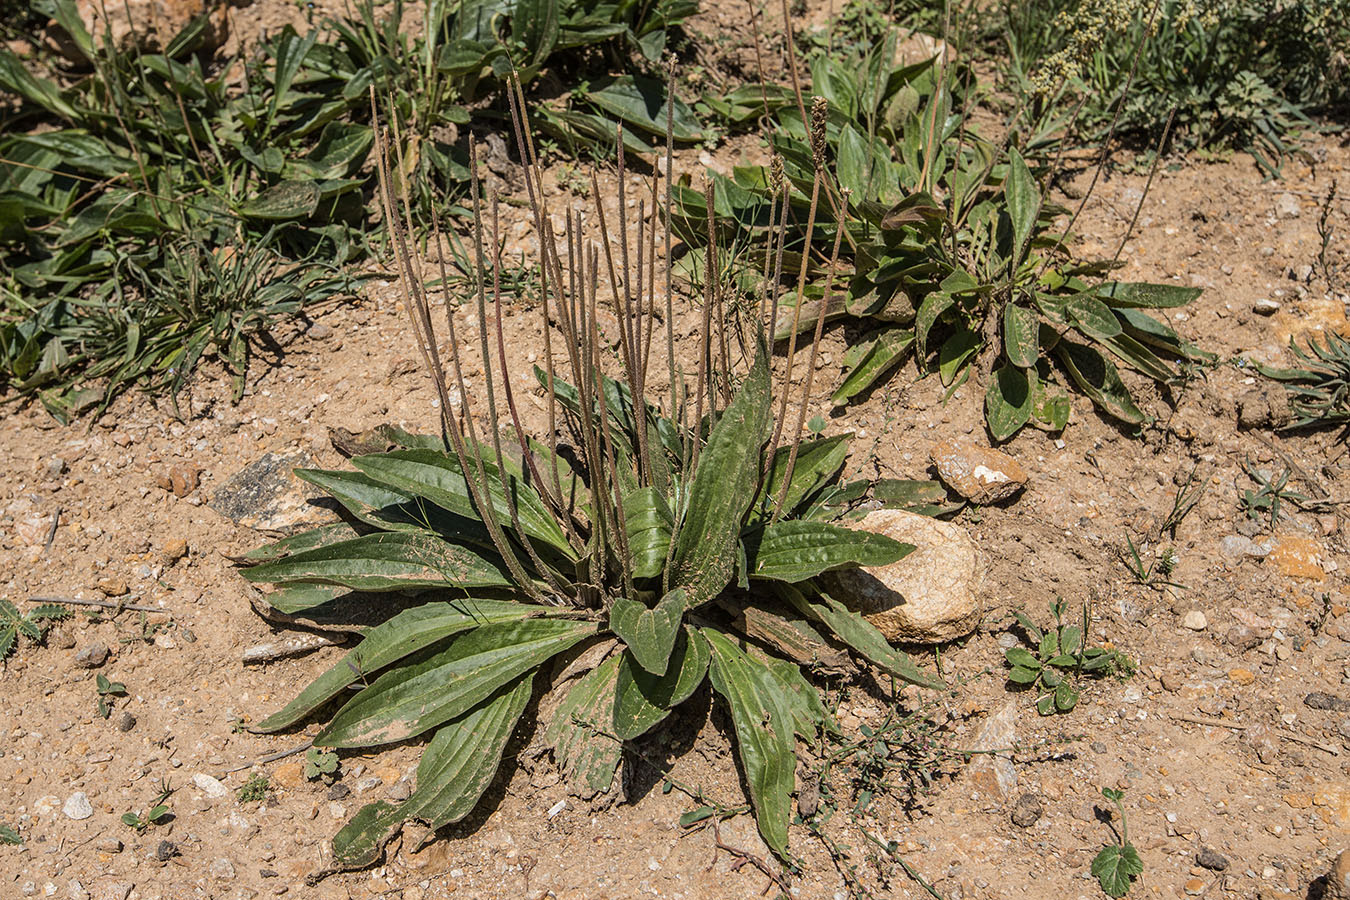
<point x="951" y="253"/>
<point x="703" y="571"/>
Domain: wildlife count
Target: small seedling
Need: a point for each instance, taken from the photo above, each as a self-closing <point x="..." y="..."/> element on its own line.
<point x="32" y="625"/>
<point x="107" y="690"/>
<point x="1060" y="660"/>
<point x="156" y="815"/>
<point x="320" y="764"/>
<point x="1156" y="574"/>
<point x="1269" y="495"/>
<point x="1118" y="864"/>
<point x="1188" y="495"/>
<point x="254" y="790"/>
<point x="9" y="836"/>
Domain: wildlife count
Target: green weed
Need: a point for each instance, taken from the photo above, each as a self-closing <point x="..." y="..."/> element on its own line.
<point x="929" y="240"/>
<point x="157" y="814"/>
<point x="1241" y="74"/>
<point x="32" y="625"/>
<point x="254" y="790"/>
<point x="679" y="535"/>
<point x="1117" y="865"/>
<point x="1059" y="660"/>
<point x="107" y="691"/>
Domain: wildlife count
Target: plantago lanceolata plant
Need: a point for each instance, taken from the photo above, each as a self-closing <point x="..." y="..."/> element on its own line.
<point x="675" y="531"/>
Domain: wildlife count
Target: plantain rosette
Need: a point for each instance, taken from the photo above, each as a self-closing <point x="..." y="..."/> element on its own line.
<point x="711" y="577"/>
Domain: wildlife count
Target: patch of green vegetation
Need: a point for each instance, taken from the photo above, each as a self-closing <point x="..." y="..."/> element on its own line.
<point x="32" y="625"/>
<point x="254" y="790"/>
<point x="1117" y="865"/>
<point x="908" y="227"/>
<point x="680" y="536"/>
<point x="1059" y="659"/>
<point x="107" y="690"/>
<point x="1241" y="74"/>
<point x="156" y="210"/>
<point x="157" y="814"/>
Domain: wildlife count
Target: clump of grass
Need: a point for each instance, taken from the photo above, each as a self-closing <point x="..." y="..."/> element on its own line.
<point x="671" y="536"/>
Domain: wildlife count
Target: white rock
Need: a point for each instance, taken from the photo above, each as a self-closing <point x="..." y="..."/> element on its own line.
<point x="1265" y="307"/>
<point x="209" y="786"/>
<point x="1195" y="620"/>
<point x="78" y="807"/>
<point x="929" y="597"/>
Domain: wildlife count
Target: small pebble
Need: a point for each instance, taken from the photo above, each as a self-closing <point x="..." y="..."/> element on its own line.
<point x="78" y="806"/>
<point x="1027" y="811"/>
<point x="126" y="722"/>
<point x="166" y="851"/>
<point x="209" y="786"/>
<point x="1195" y="620"/>
<point x="92" y="656"/>
<point x="1211" y="859"/>
<point x="222" y="870"/>
<point x="108" y="845"/>
<point x="1319" y="700"/>
<point x="1265" y="307"/>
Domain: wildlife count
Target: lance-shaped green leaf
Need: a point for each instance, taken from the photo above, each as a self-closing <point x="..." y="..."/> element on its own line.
<point x="1093" y="317"/>
<point x="1021" y="331"/>
<point x="764" y="721"/>
<point x="809" y="715"/>
<point x="650" y="523"/>
<point x="1008" y="402"/>
<point x="932" y="307"/>
<point x="1097" y="377"/>
<point x="1141" y="295"/>
<point x="300" y="596"/>
<point x="927" y="498"/>
<point x="722" y="490"/>
<point x="794" y="550"/>
<point x="861" y="635"/>
<point x="409" y="632"/>
<point x="874" y="359"/>
<point x="1024" y="202"/>
<point x="409" y="700"/>
<point x="818" y="461"/>
<point x="642" y="700"/>
<point x="386" y="561"/>
<point x="436" y="476"/>
<point x="306" y="540"/>
<point x="650" y="632"/>
<point x="456" y="768"/>
<point x="357" y="492"/>
<point x="587" y="755"/>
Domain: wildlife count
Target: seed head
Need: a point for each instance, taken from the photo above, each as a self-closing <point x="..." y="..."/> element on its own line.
<point x="820" y="111"/>
<point x="776" y="177"/>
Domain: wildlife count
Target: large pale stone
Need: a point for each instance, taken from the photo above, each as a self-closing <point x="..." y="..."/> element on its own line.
<point x="980" y="474"/>
<point x="151" y="24"/>
<point x="930" y="596"/>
